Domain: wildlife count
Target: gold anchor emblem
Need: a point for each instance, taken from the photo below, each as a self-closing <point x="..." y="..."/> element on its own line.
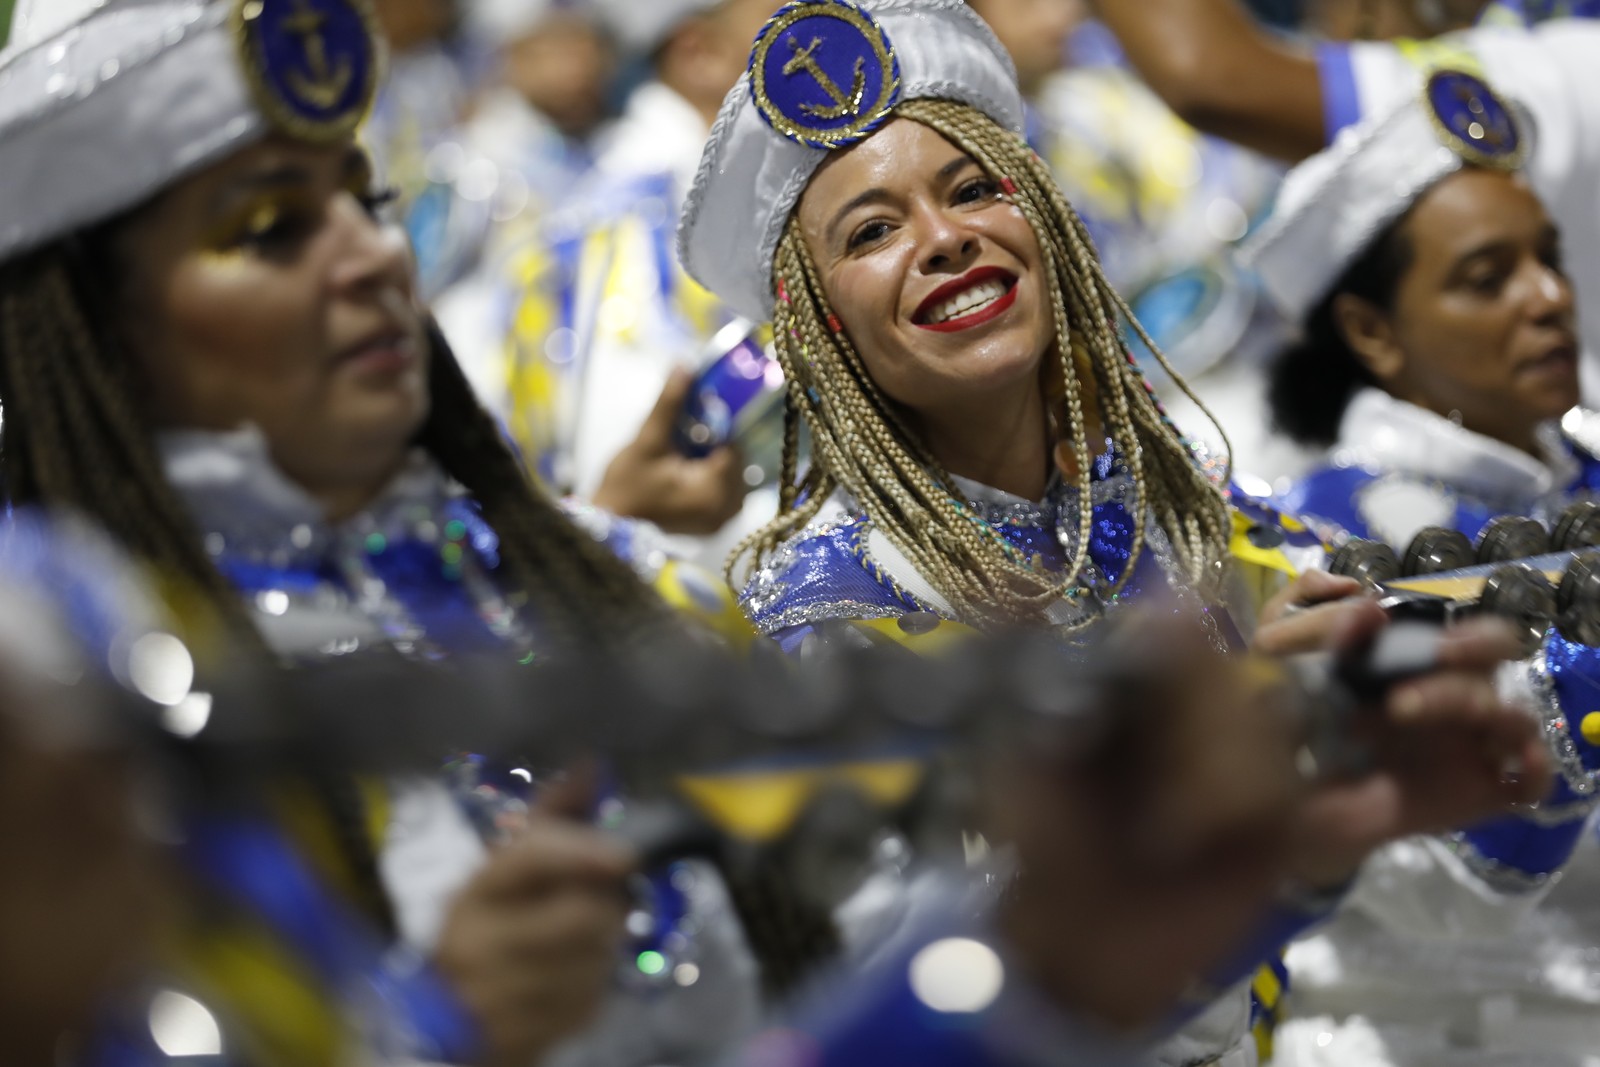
<point x="323" y="97"/>
<point x="326" y="86"/>
<point x="846" y="105"/>
<point x="849" y="114"/>
<point x="1485" y="134"/>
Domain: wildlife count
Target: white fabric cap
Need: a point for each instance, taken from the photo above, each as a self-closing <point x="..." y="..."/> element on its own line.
<point x="752" y="176"/>
<point x="1335" y="204"/>
<point x="503" y="21"/>
<point x="103" y="103"/>
<point x="642" y="26"/>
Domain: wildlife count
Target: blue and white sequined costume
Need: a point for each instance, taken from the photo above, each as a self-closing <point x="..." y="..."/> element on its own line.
<point x="843" y="569"/>
<point x="1397" y="468"/>
<point x="1440" y="955"/>
<point x="416" y="572"/>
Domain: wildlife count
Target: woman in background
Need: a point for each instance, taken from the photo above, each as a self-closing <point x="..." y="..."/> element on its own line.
<point x="1439" y="355"/>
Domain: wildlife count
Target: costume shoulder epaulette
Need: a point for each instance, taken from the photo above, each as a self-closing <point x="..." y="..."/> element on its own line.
<point x="823" y="574"/>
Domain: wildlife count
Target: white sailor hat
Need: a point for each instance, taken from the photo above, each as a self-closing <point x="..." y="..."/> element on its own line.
<point x="824" y="74"/>
<point x="642" y="26"/>
<point x="502" y="21"/>
<point x="103" y="103"/>
<point x="1335" y="204"/>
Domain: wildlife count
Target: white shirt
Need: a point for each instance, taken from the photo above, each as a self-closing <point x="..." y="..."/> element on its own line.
<point x="1427" y="459"/>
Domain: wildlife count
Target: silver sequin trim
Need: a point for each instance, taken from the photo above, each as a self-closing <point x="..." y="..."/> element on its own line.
<point x="1557" y="729"/>
<point x="766" y="587"/>
<point x="829" y="612"/>
<point x="1496" y="875"/>
<point x="1548" y="817"/>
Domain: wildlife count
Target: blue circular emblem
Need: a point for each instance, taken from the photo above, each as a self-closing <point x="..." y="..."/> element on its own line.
<point x="824" y="73"/>
<point x="1473" y="122"/>
<point x="313" y="65"/>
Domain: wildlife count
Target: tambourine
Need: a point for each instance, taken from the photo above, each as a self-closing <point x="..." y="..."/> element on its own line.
<point x="1516" y="569"/>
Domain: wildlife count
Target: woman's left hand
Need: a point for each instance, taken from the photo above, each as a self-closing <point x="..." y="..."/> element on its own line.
<point x="1305" y="616"/>
<point x="1447" y="753"/>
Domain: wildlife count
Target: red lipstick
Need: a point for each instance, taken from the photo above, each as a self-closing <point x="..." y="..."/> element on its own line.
<point x="960" y="285"/>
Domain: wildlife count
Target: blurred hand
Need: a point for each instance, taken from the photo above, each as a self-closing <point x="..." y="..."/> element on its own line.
<point x="651" y="480"/>
<point x="79" y="899"/>
<point x="532" y="943"/>
<point x="1146" y="865"/>
<point x="1448" y="753"/>
<point x="1305" y="617"/>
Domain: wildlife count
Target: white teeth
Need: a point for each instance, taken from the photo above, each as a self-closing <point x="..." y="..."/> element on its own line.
<point x="975" y="299"/>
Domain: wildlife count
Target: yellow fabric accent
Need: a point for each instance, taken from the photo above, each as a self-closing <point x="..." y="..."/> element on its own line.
<point x="532" y="384"/>
<point x="1590" y="728"/>
<point x="1439" y="53"/>
<point x="1292" y="524"/>
<point x="757" y="808"/>
<point x="306" y="823"/>
<point x="1264" y="1033"/>
<point x="1140" y="163"/>
<point x="888" y="784"/>
<point x="708" y="600"/>
<point x="701" y="309"/>
<point x="763" y="805"/>
<point x="1269" y="993"/>
<point x="632" y="284"/>
<point x="1262" y="573"/>
<point x="1455" y="588"/>
<point x="1242" y="549"/>
<point x="1267" y="988"/>
<point x="375" y="795"/>
<point x="932" y="643"/>
<point x="263" y="997"/>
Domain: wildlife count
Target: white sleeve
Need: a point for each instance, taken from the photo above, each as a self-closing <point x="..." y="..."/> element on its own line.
<point x="429" y="854"/>
<point x="1422" y="887"/>
<point x="1434" y="887"/>
<point x="1382" y="76"/>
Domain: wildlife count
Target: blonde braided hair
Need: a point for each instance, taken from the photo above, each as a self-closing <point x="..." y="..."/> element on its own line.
<point x="862" y="443"/>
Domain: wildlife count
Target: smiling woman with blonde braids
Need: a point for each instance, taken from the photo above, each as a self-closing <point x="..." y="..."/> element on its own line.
<point x="955" y="353"/>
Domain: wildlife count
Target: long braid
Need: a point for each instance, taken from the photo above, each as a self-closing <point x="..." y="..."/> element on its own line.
<point x="71" y="438"/>
<point x="862" y="443"/>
